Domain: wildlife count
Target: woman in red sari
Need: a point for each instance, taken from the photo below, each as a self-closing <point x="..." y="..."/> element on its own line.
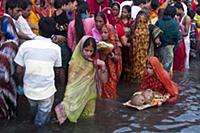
<point x="113" y="62"/>
<point x="157" y="78"/>
<point x="179" y="55"/>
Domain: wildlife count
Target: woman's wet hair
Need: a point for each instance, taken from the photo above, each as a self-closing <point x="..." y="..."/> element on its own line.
<point x="90" y="41"/>
<point x="102" y="15"/>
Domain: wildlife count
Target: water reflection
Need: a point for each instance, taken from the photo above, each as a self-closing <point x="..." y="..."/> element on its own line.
<point x="112" y="117"/>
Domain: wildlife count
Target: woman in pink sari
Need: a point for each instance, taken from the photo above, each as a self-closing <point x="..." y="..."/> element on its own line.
<point x="100" y="21"/>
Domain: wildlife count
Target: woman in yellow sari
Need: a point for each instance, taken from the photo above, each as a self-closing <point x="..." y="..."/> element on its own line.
<point x="138" y="50"/>
<point x="34" y="18"/>
<point x="80" y="94"/>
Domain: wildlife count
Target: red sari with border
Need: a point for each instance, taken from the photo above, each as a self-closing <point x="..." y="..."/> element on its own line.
<point x="160" y="81"/>
<point x="179" y="56"/>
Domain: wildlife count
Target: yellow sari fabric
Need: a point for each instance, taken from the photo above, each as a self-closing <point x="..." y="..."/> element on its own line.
<point x="33" y="19"/>
<point x="80" y="95"/>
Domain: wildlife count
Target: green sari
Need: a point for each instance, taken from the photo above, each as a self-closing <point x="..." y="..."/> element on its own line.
<point x="80" y="95"/>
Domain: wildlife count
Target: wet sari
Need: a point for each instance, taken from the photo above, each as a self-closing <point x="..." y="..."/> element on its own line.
<point x="114" y="66"/>
<point x="8" y="94"/>
<point x="138" y="50"/>
<point x="160" y="81"/>
<point x="179" y="55"/>
<point x="80" y="95"/>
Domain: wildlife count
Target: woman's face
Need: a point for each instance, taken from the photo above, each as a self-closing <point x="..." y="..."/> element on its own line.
<point x="124" y="13"/>
<point x="150" y="70"/>
<point x="115" y="10"/>
<point x="88" y="51"/>
<point x="105" y="33"/>
<point x="99" y="22"/>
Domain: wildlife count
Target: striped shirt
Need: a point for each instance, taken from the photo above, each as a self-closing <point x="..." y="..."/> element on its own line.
<point x="39" y="57"/>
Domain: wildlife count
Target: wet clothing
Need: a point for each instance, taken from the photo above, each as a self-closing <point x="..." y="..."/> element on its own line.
<point x="80" y="95"/>
<point x="114" y="66"/>
<point x="8" y="91"/>
<point x="155" y="32"/>
<point x="179" y="55"/>
<point x="138" y="49"/>
<point x="160" y="81"/>
<point x="169" y="39"/>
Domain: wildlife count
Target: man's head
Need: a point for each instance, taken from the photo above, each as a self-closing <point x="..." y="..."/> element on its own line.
<point x="26" y="8"/>
<point x="13" y="8"/>
<point x="170" y="11"/>
<point x="70" y="5"/>
<point x="139" y="3"/>
<point x="179" y="8"/>
<point x="58" y="4"/>
<point x="47" y="27"/>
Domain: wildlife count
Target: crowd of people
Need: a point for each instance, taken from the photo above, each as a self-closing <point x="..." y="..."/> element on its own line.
<point x="85" y="47"/>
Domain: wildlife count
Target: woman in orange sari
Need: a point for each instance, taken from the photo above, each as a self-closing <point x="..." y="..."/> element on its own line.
<point x="157" y="78"/>
<point x="113" y="62"/>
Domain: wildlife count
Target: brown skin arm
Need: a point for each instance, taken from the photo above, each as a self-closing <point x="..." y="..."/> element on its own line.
<point x="59" y="39"/>
<point x="187" y="25"/>
<point x="20" y="74"/>
<point x="61" y="78"/>
<point x="21" y="35"/>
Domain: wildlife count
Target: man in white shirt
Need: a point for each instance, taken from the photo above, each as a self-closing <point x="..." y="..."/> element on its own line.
<point x="36" y="60"/>
<point x="21" y="23"/>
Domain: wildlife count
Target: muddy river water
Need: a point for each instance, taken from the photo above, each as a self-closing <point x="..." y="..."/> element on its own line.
<point x="112" y="117"/>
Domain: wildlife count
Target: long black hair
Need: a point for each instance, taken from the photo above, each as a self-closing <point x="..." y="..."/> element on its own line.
<point x="79" y="27"/>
